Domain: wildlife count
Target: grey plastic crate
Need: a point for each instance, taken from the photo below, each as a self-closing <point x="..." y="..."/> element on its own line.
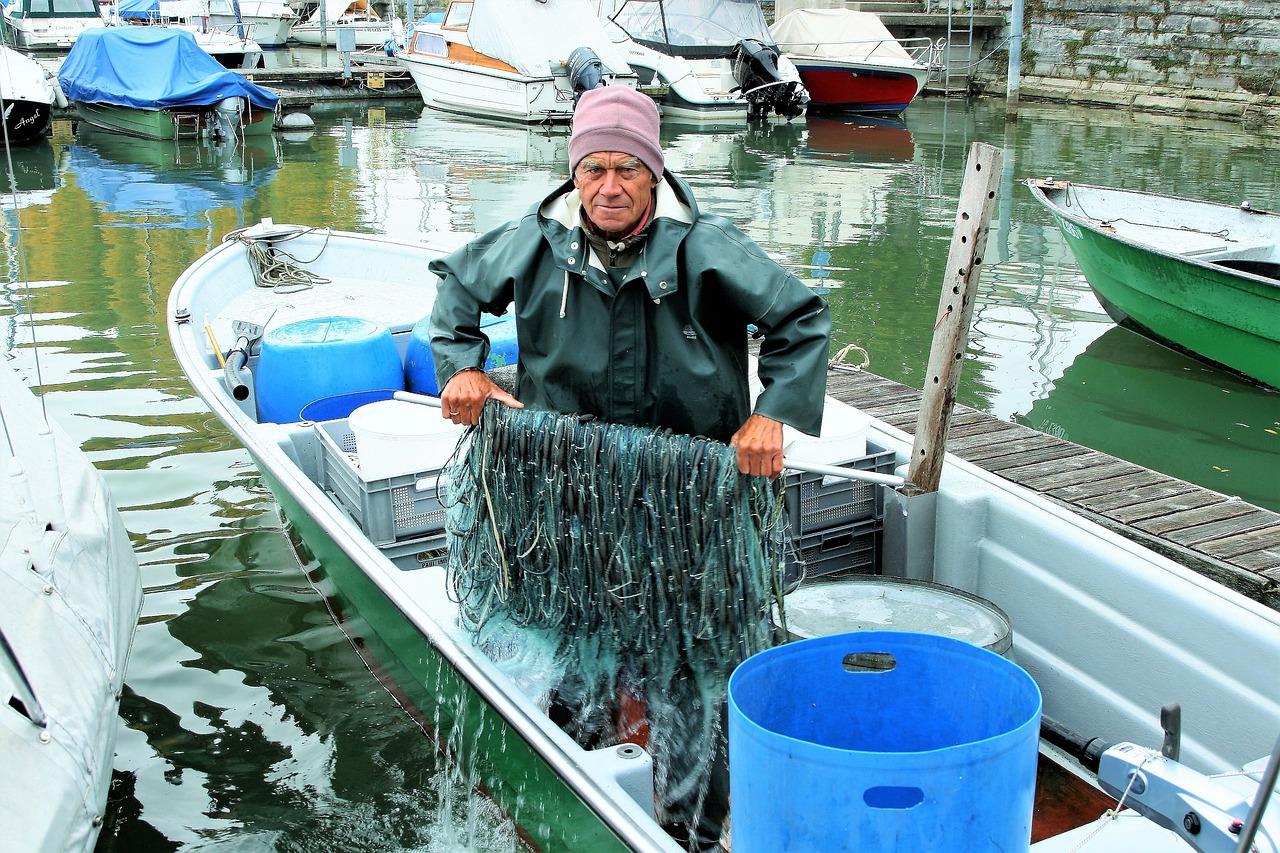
<point x="387" y="510"/>
<point x="817" y="503"/>
<point x="844" y="549"/>
<point x="422" y="553"/>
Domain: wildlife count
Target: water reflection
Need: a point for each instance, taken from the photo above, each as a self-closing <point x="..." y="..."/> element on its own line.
<point x="1135" y="399"/>
<point x="168" y="183"/>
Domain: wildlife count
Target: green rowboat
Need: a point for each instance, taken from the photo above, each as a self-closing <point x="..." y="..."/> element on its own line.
<point x="1201" y="277"/>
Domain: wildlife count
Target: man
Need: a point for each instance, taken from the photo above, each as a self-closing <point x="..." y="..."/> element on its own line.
<point x="631" y="305"/>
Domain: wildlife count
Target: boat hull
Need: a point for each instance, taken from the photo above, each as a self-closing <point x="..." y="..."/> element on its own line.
<point x="853" y="87"/>
<point x="1228" y="317"/>
<point x="453" y="87"/>
<point x="368" y="34"/>
<point x="267" y="32"/>
<point x="26" y="121"/>
<point x="162" y="124"/>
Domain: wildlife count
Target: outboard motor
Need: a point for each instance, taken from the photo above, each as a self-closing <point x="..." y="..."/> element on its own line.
<point x="586" y="71"/>
<point x="755" y="68"/>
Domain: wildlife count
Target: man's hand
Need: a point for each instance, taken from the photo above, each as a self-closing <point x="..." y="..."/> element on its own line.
<point x="759" y="444"/>
<point x="463" y="396"/>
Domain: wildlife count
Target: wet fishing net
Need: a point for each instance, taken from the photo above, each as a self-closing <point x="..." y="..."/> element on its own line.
<point x="608" y="568"/>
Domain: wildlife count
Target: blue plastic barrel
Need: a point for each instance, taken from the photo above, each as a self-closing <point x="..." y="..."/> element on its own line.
<point x="420" y="365"/>
<point x="882" y="741"/>
<point x="310" y="360"/>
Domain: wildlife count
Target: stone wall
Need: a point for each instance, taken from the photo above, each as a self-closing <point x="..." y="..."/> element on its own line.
<point x="1214" y="57"/>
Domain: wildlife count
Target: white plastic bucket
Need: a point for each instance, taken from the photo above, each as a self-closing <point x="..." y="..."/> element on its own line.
<point x="394" y="437"/>
<point x="843" y="436"/>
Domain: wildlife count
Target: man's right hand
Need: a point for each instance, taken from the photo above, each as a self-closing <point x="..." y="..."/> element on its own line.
<point x="464" y="395"/>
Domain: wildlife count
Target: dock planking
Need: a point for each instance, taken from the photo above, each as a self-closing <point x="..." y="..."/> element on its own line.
<point x="1217" y="535"/>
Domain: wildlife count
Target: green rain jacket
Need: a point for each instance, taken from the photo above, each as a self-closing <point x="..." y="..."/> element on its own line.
<point x="668" y="349"/>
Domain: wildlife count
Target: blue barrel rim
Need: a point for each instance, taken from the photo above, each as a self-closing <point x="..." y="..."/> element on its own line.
<point x="880" y="638"/>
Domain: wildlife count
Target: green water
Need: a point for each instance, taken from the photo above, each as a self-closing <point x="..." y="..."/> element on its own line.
<point x="249" y="723"/>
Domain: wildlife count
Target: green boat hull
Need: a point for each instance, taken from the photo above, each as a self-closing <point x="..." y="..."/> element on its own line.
<point x="161" y="124"/>
<point x="548" y="814"/>
<point x="1218" y="314"/>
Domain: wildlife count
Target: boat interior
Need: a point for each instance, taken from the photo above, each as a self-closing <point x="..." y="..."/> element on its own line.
<point x="1090" y="613"/>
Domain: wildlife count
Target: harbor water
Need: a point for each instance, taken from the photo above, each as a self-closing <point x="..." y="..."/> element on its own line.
<point x="248" y="721"/>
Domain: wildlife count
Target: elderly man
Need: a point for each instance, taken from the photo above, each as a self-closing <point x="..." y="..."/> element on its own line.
<point x="631" y="305"/>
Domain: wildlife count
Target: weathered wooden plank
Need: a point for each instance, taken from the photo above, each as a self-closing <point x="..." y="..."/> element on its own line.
<point x="1108" y="489"/>
<point x="975" y="450"/>
<point x="1050" y="482"/>
<point x="1168" y="506"/>
<point x="1005" y="462"/>
<point x="1202" y="534"/>
<point x="1173" y="527"/>
<point x="1161" y="488"/>
<point x="1237" y="544"/>
<point x="1267" y="565"/>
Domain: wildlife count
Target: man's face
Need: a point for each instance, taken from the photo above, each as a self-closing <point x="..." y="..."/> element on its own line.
<point x="615" y="190"/>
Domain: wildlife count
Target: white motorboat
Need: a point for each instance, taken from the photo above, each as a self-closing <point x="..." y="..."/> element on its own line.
<point x="70" y="594"/>
<point x="357" y="17"/>
<point x="1109" y="630"/>
<point x="48" y="24"/>
<point x="514" y="60"/>
<point x="715" y="58"/>
<point x="233" y="47"/>
<point x="268" y="22"/>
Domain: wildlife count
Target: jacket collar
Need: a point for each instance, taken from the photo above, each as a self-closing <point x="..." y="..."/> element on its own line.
<point x="674" y="212"/>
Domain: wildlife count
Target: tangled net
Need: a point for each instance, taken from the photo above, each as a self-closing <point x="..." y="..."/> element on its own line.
<point x="641" y="560"/>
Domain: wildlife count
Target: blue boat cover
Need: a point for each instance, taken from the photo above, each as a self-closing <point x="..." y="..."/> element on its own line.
<point x="151" y="68"/>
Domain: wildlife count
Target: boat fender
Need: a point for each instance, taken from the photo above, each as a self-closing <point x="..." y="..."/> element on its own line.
<point x="59" y="98"/>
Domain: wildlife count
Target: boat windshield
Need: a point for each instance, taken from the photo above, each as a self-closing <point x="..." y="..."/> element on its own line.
<point x="61" y="8"/>
<point x="689" y="28"/>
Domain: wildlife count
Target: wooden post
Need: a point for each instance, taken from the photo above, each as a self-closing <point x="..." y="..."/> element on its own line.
<point x="955" y="309"/>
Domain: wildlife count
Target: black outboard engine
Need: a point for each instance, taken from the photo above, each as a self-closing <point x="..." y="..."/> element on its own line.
<point x="586" y="71"/>
<point x="755" y="68"/>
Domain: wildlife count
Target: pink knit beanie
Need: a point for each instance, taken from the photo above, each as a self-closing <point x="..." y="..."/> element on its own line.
<point x="616" y="118"/>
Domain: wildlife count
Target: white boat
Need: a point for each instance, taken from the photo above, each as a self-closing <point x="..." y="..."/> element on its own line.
<point x="1110" y="630"/>
<point x="850" y="62"/>
<point x="267" y="22"/>
<point x="356" y="16"/>
<point x="29" y="93"/>
<point x="715" y="58"/>
<point x="233" y="47"/>
<point x="514" y="60"/>
<point x="70" y="593"/>
<point x="48" y="24"/>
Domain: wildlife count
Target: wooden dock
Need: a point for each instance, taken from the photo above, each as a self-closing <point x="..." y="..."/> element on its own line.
<point x="1222" y="537"/>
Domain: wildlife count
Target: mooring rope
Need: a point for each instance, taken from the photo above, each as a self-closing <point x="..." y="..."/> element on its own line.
<point x="276" y="269"/>
<point x="646" y="555"/>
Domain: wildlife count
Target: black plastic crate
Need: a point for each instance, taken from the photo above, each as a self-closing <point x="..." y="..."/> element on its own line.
<point x="387" y="510"/>
<point x="816" y="502"/>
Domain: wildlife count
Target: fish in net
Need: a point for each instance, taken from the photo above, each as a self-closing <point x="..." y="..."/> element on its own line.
<point x="639" y="563"/>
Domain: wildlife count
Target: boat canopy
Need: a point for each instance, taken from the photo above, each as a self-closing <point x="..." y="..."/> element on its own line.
<point x="837" y="34"/>
<point x="694" y="29"/>
<point x="168" y="67"/>
<point x="146" y="10"/>
<point x="531" y="34"/>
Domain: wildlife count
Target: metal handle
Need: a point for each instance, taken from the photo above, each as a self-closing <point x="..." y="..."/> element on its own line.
<point x="420" y="399"/>
<point x="844" y="473"/>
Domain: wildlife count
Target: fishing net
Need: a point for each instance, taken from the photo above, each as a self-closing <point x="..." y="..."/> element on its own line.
<point x="617" y="561"/>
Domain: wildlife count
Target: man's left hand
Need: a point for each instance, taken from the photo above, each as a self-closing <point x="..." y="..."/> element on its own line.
<point x="759" y="443"/>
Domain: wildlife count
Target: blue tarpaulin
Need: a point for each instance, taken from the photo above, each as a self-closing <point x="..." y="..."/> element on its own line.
<point x="151" y="68"/>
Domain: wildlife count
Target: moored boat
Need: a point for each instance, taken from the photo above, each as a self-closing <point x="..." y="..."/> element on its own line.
<point x="1201" y="277"/>
<point x="850" y="62"/>
<point x="1110" y="631"/>
<point x="29" y="95"/>
<point x="157" y="83"/>
<point x="70" y="593"/>
<point x="514" y="60"/>
<point x="44" y="25"/>
<point x="357" y="17"/>
<point x="233" y="46"/>
<point x="715" y="58"/>
<point x="267" y="22"/>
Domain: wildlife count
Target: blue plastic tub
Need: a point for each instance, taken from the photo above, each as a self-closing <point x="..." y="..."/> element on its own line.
<point x="882" y="741"/>
<point x="342" y="405"/>
<point x="310" y="360"/>
<point x="420" y="365"/>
